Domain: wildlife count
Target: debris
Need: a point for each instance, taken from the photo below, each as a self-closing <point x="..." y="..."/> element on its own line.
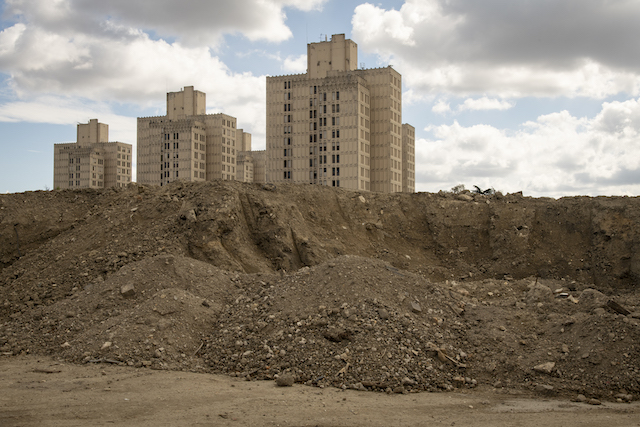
<point x="618" y="308"/>
<point x="128" y="290"/>
<point x="285" y="380"/>
<point x="545" y="368"/>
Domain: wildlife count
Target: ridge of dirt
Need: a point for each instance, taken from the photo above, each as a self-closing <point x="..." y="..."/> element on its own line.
<point x="395" y="293"/>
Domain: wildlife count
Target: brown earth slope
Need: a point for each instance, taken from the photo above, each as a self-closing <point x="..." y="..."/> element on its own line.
<point x="369" y="291"/>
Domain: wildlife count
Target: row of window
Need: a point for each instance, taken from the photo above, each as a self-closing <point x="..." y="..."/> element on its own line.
<point x="175" y="156"/>
<point x="335" y="158"/>
<point x="323" y="135"/>
<point x="335" y="96"/>
<point x="335" y="121"/>
<point x="335" y="108"/>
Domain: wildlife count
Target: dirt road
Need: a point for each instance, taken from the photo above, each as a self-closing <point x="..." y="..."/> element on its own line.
<point x="39" y="391"/>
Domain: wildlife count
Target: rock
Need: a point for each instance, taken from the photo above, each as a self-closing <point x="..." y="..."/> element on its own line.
<point x="106" y="345"/>
<point x="594" y="402"/>
<point x="128" y="290"/>
<point x="337" y="334"/>
<point x="545" y="368"/>
<point x="591" y="299"/>
<point x="406" y="381"/>
<point x="458" y="382"/>
<point x="66" y="345"/>
<point x="464" y="197"/>
<point x="544" y="389"/>
<point x="384" y="314"/>
<point x="580" y="398"/>
<point x="415" y="307"/>
<point x="189" y="215"/>
<point x="624" y="397"/>
<point x="539" y="293"/>
<point x="285" y="380"/>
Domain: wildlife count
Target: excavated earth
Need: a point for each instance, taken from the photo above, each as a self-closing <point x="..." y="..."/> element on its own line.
<point x="396" y="293"/>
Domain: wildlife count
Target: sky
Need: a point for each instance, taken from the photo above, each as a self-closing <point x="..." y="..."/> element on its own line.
<point x="538" y="96"/>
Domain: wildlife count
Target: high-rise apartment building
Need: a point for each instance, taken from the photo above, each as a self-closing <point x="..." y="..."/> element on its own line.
<point x="188" y="144"/>
<point x="337" y="125"/>
<point x="92" y="161"/>
<point x="408" y="158"/>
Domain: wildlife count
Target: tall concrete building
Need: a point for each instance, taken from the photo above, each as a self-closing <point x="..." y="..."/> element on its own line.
<point x="408" y="158"/>
<point x="188" y="144"/>
<point x="337" y="125"/>
<point x="92" y="161"/>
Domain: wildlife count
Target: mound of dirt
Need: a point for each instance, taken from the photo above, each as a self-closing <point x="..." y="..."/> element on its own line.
<point x="396" y="293"/>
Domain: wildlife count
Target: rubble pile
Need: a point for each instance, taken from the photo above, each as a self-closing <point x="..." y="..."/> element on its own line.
<point x="395" y="293"/>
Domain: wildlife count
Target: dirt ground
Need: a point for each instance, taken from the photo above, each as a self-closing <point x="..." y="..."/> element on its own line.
<point x="44" y="392"/>
<point x="340" y="291"/>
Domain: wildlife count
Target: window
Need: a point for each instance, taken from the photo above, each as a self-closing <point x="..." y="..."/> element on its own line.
<point x="337" y="108"/>
<point x="337" y="96"/>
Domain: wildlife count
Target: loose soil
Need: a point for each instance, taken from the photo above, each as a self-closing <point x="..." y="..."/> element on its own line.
<point x="341" y="290"/>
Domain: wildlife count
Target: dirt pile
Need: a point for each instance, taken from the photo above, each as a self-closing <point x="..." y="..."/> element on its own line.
<point x="365" y="291"/>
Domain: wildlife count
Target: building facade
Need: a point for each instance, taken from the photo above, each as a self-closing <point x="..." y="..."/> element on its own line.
<point x="92" y="161"/>
<point x="337" y="125"/>
<point x="408" y="158"/>
<point x="188" y="144"/>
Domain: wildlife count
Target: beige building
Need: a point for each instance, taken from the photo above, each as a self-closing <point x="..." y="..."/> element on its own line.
<point x="188" y="144"/>
<point x="408" y="158"/>
<point x="337" y="125"/>
<point x="92" y="161"/>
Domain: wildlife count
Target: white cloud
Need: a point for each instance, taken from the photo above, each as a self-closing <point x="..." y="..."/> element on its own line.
<point x="110" y="64"/>
<point x="557" y="154"/>
<point x="484" y="103"/>
<point x="295" y="64"/>
<point x="197" y="22"/>
<point x="507" y="49"/>
<point x="441" y="107"/>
